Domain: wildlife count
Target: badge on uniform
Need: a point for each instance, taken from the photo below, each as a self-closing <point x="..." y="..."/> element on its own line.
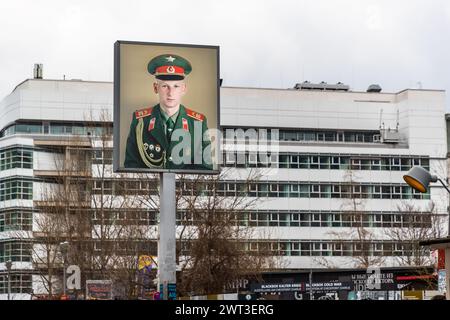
<point x="151" y="126"/>
<point x="185" y="125"/>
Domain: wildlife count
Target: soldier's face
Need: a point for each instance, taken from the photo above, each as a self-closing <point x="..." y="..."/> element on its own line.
<point x="170" y="92"/>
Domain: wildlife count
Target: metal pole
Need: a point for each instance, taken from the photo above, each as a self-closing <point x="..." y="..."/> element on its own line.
<point x="9" y="285"/>
<point x="8" y="267"/>
<point x="311" y="296"/>
<point x="64" y="276"/>
<point x="166" y="240"/>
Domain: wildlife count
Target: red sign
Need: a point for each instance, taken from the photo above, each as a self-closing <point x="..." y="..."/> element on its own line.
<point x="441" y="259"/>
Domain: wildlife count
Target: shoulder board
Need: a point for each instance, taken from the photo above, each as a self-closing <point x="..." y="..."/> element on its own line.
<point x="143" y="112"/>
<point x="195" y="115"/>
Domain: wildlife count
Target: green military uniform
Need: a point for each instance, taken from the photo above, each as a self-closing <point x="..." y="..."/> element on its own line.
<point x="150" y="146"/>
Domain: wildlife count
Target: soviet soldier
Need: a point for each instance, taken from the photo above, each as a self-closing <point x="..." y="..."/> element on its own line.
<point x="168" y="135"/>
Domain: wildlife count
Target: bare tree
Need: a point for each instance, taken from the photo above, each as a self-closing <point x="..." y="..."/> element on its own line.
<point x="417" y="226"/>
<point x="214" y="240"/>
<point x="357" y="234"/>
<point x="99" y="213"/>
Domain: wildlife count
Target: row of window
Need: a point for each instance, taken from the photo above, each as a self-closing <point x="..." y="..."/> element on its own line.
<point x="16" y="189"/>
<point x="56" y="129"/>
<point x="271" y="190"/>
<point x="337" y="248"/>
<point x="17" y="219"/>
<point x="280" y="134"/>
<point x="305" y="135"/>
<point x="20" y="283"/>
<point x="22" y="219"/>
<point x="136" y="217"/>
<point x="316" y="161"/>
<point x="127" y="247"/>
<point x="23" y="158"/>
<point x="323" y="219"/>
<point x="16" y="158"/>
<point x="19" y="251"/>
<point x="305" y="161"/>
<point x="262" y="218"/>
<point x="287" y="247"/>
<point x="309" y="190"/>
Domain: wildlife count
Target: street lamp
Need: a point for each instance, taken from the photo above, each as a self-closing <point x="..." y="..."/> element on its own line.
<point x="419" y="179"/>
<point x="63" y="247"/>
<point x="8" y="267"/>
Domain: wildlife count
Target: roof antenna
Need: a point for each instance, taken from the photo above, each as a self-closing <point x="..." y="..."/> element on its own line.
<point x="398" y="121"/>
<point x="381" y="116"/>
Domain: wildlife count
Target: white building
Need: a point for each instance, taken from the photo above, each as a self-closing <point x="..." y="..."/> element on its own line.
<point x="335" y="145"/>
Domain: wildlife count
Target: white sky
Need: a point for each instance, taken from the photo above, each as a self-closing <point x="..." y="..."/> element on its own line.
<point x="396" y="43"/>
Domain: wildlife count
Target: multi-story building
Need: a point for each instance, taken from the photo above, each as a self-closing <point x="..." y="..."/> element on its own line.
<point x="334" y="190"/>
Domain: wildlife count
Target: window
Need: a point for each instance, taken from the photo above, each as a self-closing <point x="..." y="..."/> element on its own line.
<point x="315" y="220"/>
<point x="305" y="249"/>
<point x="376" y="194"/>
<point x="324" y="162"/>
<point x="273" y="220"/>
<point x="16" y="189"/>
<point x="295" y="249"/>
<point x="376" y="164"/>
<point x="16" y="158"/>
<point x="315" y="191"/>
<point x="396" y="192"/>
<point x="314" y="162"/>
<point x="305" y="219"/>
<point x="336" y="191"/>
<point x="378" y="220"/>
<point x="253" y="219"/>
<point x="304" y="191"/>
<point x="294" y="191"/>
<point x="356" y="164"/>
<point x="252" y="159"/>
<point x="303" y="162"/>
<point x="337" y="249"/>
<point x="365" y="164"/>
<point x="263" y="189"/>
<point x="20" y="283"/>
<point x="395" y="164"/>
<point x="18" y="219"/>
<point x="230" y="158"/>
<point x="337" y="220"/>
<point x="295" y="219"/>
<point x="16" y="251"/>
<point x="335" y="162"/>
<point x="325" y="220"/>
<point x="284" y="161"/>
<point x="397" y="221"/>
<point x="294" y="162"/>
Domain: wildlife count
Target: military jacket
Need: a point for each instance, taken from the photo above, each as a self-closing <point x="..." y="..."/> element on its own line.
<point x="149" y="147"/>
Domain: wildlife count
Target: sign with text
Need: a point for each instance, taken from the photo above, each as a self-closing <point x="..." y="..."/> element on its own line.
<point x="98" y="290"/>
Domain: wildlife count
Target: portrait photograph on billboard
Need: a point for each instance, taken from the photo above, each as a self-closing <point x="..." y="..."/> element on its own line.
<point x="166" y="108"/>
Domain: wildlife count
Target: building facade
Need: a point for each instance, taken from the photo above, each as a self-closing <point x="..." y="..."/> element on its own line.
<point x="331" y="195"/>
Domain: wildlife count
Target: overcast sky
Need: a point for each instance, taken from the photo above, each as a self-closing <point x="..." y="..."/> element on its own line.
<point x="398" y="43"/>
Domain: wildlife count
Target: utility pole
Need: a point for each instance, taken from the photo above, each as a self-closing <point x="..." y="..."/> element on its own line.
<point x="8" y="268"/>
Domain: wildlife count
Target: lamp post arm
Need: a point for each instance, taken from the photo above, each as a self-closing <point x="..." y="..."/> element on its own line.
<point x="442" y="182"/>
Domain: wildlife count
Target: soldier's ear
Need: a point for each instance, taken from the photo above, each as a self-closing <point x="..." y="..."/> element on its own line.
<point x="155" y="87"/>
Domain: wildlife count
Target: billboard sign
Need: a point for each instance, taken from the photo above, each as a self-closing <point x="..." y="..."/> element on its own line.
<point x="166" y="108"/>
<point x="98" y="290"/>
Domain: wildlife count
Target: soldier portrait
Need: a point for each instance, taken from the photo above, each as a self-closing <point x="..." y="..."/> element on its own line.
<point x="167" y="134"/>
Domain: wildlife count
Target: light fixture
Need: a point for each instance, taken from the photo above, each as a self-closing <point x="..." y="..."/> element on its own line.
<point x="419" y="179"/>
